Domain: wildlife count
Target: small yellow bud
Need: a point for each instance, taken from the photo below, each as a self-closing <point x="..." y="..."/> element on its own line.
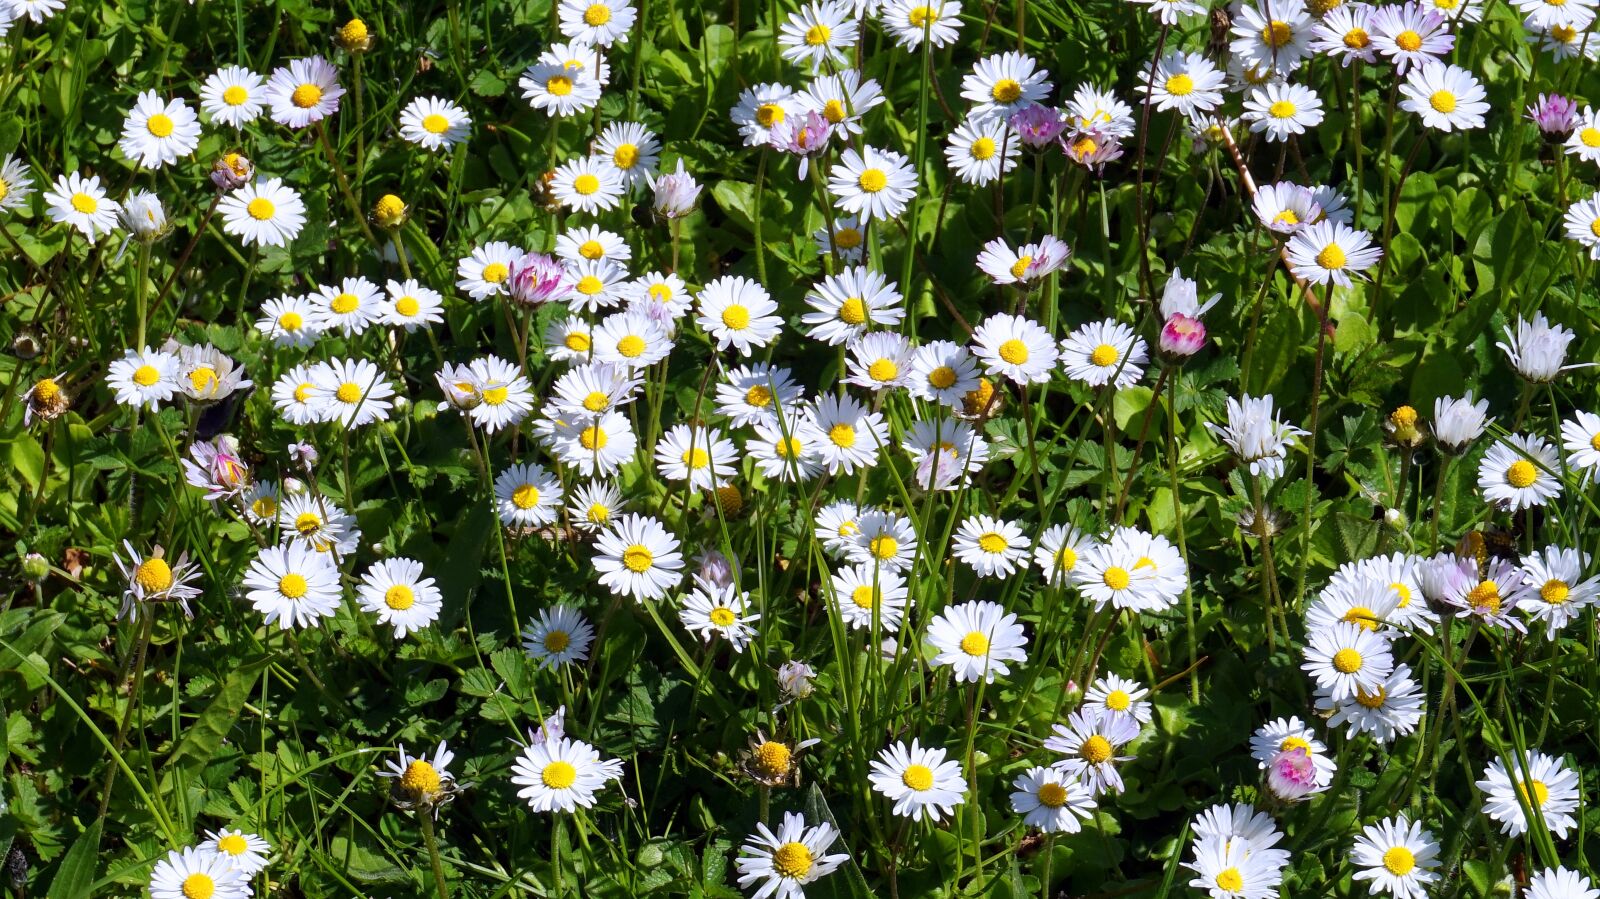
<point x="390" y="212"/>
<point x="355" y="37"/>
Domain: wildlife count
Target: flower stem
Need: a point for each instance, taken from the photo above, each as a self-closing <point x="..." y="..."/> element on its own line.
<point x="429" y="837"/>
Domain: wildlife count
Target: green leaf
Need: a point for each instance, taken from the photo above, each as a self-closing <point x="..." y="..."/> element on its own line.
<point x="204" y="736"/>
<point x="77" y="869"/>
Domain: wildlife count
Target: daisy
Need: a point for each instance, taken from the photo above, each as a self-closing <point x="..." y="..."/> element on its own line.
<point x="1026" y="264"/>
<point x="16" y="183"/>
<point x="588" y="184"/>
<point x="753" y="394"/>
<point x="719" y="610"/>
<point x="1520" y="471"/>
<point x="1537" y="348"/>
<point x="1580" y="436"/>
<point x="923" y="783"/>
<point x="1096" y="111"/>
<point x="562" y="774"/>
<point x="293" y="585"/>
<point x="1090" y="743"/>
<point x="560" y="635"/>
<point x="1546" y="784"/>
<point x="853" y="435"/>
<point x="317" y="523"/>
<point x="1187" y="82"/>
<point x="991" y="547"/>
<point x="246" y="852"/>
<point x="352" y="392"/>
<point x="1016" y="348"/>
<point x="569" y="339"/>
<point x="1285" y="207"/>
<point x="597" y="445"/>
<point x="1273" y="34"/>
<point x="1059" y="549"/>
<point x="942" y="372"/>
<point x="1583" y="224"/>
<point x="1001" y="84"/>
<point x="738" y="313"/>
<point x="595" y="284"/>
<point x="304" y="92"/>
<point x="396" y="591"/>
<point x="232" y="95"/>
<point x="198" y="871"/>
<point x="874" y="184"/>
<point x="290" y="321"/>
<point x="1256" y="436"/>
<point x="847" y="240"/>
<point x="783" y="862"/>
<point x="559" y="88"/>
<point x="1363" y="601"/>
<point x="1448" y="98"/>
<point x="761" y="107"/>
<point x="1583" y="142"/>
<point x="503" y="396"/>
<point x="838" y="524"/>
<point x="1113" y="695"/>
<point x="846" y="305"/>
<point x="420" y="781"/>
<point x="633" y="150"/>
<point x="1170" y="12"/>
<point x="593" y="243"/>
<point x="265" y="213"/>
<point x="486" y="271"/>
<point x="592" y="505"/>
<point x="1330" y="252"/>
<point x="632" y="339"/>
<point x="144" y="378"/>
<point x="879" y="361"/>
<point x="977" y="639"/>
<point x="527" y="496"/>
<point x="945" y="451"/>
<point x="913" y="21"/>
<point x="1392" y="710"/>
<point x="597" y="23"/>
<point x="1345" y="658"/>
<point x="659" y="293"/>
<point x="1410" y="35"/>
<point x="153" y="579"/>
<point x="1545" y="14"/>
<point x="1553" y="588"/>
<point x="36" y="10"/>
<point x="1559" y="883"/>
<point x="841" y="99"/>
<point x="411" y="305"/>
<point x="703" y="457"/>
<point x="638" y="557"/>
<point x="818" y="33"/>
<point x="1104" y="352"/>
<point x="883" y="539"/>
<point x="433" y="123"/>
<point x="349" y="307"/>
<point x="592" y="388"/>
<point x="1398" y="856"/>
<point x="869" y="595"/>
<point x="260" y="502"/>
<point x="1458" y="421"/>
<point x="206" y="375"/>
<point x="786" y="451"/>
<point x="1345" y="33"/>
<point x="293" y="396"/>
<point x="1230" y="869"/>
<point x="1289" y="735"/>
<point x="1051" y="800"/>
<point x="1110" y="574"/>
<point x="80" y="202"/>
<point x="1282" y="109"/>
<point x="156" y="132"/>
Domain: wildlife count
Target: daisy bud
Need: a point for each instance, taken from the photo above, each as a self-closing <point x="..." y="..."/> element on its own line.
<point x="1554" y="114"/>
<point x="304" y="453"/>
<point x="1402" y="428"/>
<point x="1182" y="336"/>
<point x="1458" y="421"/>
<point x="35" y="567"/>
<point x="1038" y="126"/>
<point x="715" y="569"/>
<point x="1395" y="519"/>
<point x="796" y="679"/>
<point x="458" y="384"/>
<point x="390" y="212"/>
<point x="143" y="216"/>
<point x="26" y="345"/>
<point x="537" y="279"/>
<point x="354" y="37"/>
<point x="676" y="193"/>
<point x="802" y="137"/>
<point x="1291" y="775"/>
<point x="293" y="486"/>
<point x="553" y="728"/>
<point x="232" y="171"/>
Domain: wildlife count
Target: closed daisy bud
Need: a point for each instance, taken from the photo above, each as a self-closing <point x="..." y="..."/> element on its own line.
<point x="390" y="212"/>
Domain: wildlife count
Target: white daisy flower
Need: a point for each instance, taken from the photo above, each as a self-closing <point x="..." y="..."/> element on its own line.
<point x="1345" y="658"/>
<point x="1271" y="34"/>
<point x="1051" y="800"/>
<point x="527" y="496"/>
<point x="942" y="372"/>
<point x="433" y="123"/>
<point x="410" y="305"/>
<point x="1285" y="207"/>
<point x="1289" y="735"/>
<point x="1410" y="34"/>
<point x="914" y="21"/>
<point x="562" y="774"/>
<point x="838" y="525"/>
<point x="1544" y="14"/>
<point x="1345" y="33"/>
<point x="846" y="305"/>
<point x="157" y="132"/>
<point x="36" y="10"/>
<point x="81" y="202"/>
<point x="1553" y="588"/>
<point x="946" y="451"/>
<point x="873" y="184"/>
<point x="1387" y="713"/>
<point x="1060" y="547"/>
<point x="633" y="150"/>
<point x="352" y="392"/>
<point x="197" y="871"/>
<point x="922" y="782"/>
<point x="588" y="184"/>
<point x="980" y="150"/>
<point x="593" y="388"/>
<point x="1027" y="264"/>
<point x="1004" y="83"/>
<point x="152" y="579"/>
<point x="638" y="557"/>
<point x="783" y="862"/>
<point x="1447" y="97"/>
<point x="592" y="505"/>
<point x="879" y="361"/>
<point x="1282" y="109"/>
<point x="1015" y="347"/>
<point x="560" y="635"/>
<point x="1584" y="141"/>
<point x="597" y="445"/>
<point x="1546" y="784"/>
<point x="869" y="595"/>
<point x="1583" y="224"/>
<point x="317" y="523"/>
<point x="882" y="539"/>
<point x="977" y="639"/>
<point x="1187" y="82"/>
<point x="1520" y="471"/>
<point x="293" y="585"/>
<point x="421" y="780"/>
<point x="1110" y="574"/>
<point x="1329" y="252"/>
<point x="304" y="92"/>
<point x="144" y="377"/>
<point x="294" y="398"/>
<point x="1090" y="743"/>
<point x="761" y="107"/>
<point x="1105" y="352"/>
<point x="853" y="434"/>
<point x="818" y="32"/>
<point x="752" y="394"/>
<point x="1113" y="695"/>
<point x="265" y="213"/>
<point x="1537" y="348"/>
<point x="559" y="88"/>
<point x="1099" y="111"/>
<point x="990" y="546"/>
<point x="1256" y="436"/>
<point x="632" y="339"/>
<point x="712" y="610"/>
<point x="246" y="852"/>
<point x="847" y="240"/>
<point x="290" y="321"/>
<point x="349" y="307"/>
<point x="486" y="271"/>
<point x="703" y="457"/>
<point x="396" y="591"/>
<point x="1559" y="883"/>
<point x="233" y="95"/>
<point x="598" y="23"/>
<point x="738" y="313"/>
<point x="658" y="292"/>
<point x="1397" y="856"/>
<point x="593" y="243"/>
<point x="16" y="183"/>
<point x="1231" y="869"/>
<point x="841" y="99"/>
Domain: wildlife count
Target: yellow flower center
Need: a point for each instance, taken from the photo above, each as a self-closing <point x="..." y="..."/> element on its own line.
<point x="235" y="95"/>
<point x="850" y="238"/>
<point x="291" y="321"/>
<point x="1229" y="880"/>
<point x="348" y="393"/>
<point x="596" y="401"/>
<point x="789" y="448"/>
<point x="758" y="396"/>
<point x="982" y="148"/>
<point x="1356" y="39"/>
<point x="1594" y="442"/>
<point x="407" y="306"/>
<point x="292" y="586"/>
<point x="853" y="311"/>
<point x="1006" y="90"/>
<point x="597" y="14"/>
<point x="772" y="760"/>
<point x="45" y="390"/>
<point x="624" y="157"/>
<point x="1083" y="146"/>
<point x="1066" y="558"/>
<point x="145" y="375"/>
<point x="579" y="342"/>
<point x="233" y="844"/>
<point x="736" y="317"/>
<point x="1408" y="40"/>
<point x="354" y="32"/>
<point x="399" y="597"/>
<point x="792" y="860"/>
<point x="593" y="438"/>
<point x="203" y="379"/>
<point x="873" y="180"/>
<point x="1485" y="596"/>
<point x="159" y="125"/>
<point x="558" y="85"/>
<point x="883" y="370"/>
<point x="1014" y="351"/>
<point x="884" y="547"/>
<point x="1104" y="355"/>
<point x="637" y="558"/>
<point x="1117" y="578"/>
<point x="199" y="886"/>
<point x="435" y="124"/>
<point x="1362" y="617"/>
<point x="1521" y="474"/>
<point x="922" y="16"/>
<point x="1399" y="861"/>
<point x="420" y="778"/>
<point x="302" y="393"/>
<point x="556" y="641"/>
<point x="818" y="34"/>
<point x="154" y="575"/>
<point x="864" y="597"/>
<point x="87" y="205"/>
<point x="1096" y="750"/>
<point x="1290" y="744"/>
<point x="1118" y="701"/>
<point x="586" y="184"/>
<point x="975" y="644"/>
<point x="1564" y="33"/>
<point x="1589" y="136"/>
<point x="1286" y="217"/>
<point x="306" y="96"/>
<point x="1332" y="257"/>
<point x="696" y="458"/>
<point x="1347" y="661"/>
<point x="559" y="775"/>
<point x="842" y="435"/>
<point x="1282" y="109"/>
<point x="631" y="345"/>
<point x="1371" y="700"/>
<point x="345" y="303"/>
<point x="833" y="111"/>
<point x="1277" y="33"/>
<point x="769" y="114"/>
<point x="525" y="496"/>
<point x="1555" y="591"/>
<point x="261" y="209"/>
<point x="1541" y="793"/>
<point x="942" y="377"/>
<point x="721" y="616"/>
<point x="1052" y="795"/>
<point x="993" y="543"/>
<point x="918" y="777"/>
<point x="1180" y="85"/>
<point x="1442" y="101"/>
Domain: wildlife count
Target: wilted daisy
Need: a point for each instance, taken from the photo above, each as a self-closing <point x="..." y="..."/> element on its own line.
<point x="1104" y="352"/>
<point x="304" y="92"/>
<point x="1447" y="97"/>
<point x="1553" y="588"/>
<point x="1547" y="785"/>
<point x="421" y="782"/>
<point x="246" y="852"/>
<point x="198" y="871"/>
<point x="157" y="132"/>
<point x="152" y="578"/>
<point x="1330" y="252"/>
<point x="293" y="585"/>
<point x="1519" y="471"/>
<point x="434" y="123"/>
<point x="869" y="595"/>
<point x="1026" y="264"/>
<point x="1280" y="109"/>
<point x="1392" y="710"/>
<point x="853" y="434"/>
<point x="921" y="782"/>
<point x="1015" y="347"/>
<point x="352" y="392"/>
<point x="562" y="774"/>
<point x="872" y="184"/>
<point x="1560" y="883"/>
<point x="1001" y="84"/>
<point x="1537" y="348"/>
<point x="265" y="213"/>
<point x="990" y="546"/>
<point x="977" y="639"/>
<point x="783" y="862"/>
<point x="1345" y="658"/>
<point x="712" y="610"/>
<point x="232" y="95"/>
<point x="588" y="184"/>
<point x="844" y="306"/>
<point x="638" y="557"/>
<point x="396" y="591"/>
<point x="558" y="636"/>
<point x="81" y="202"/>
<point x="1090" y="743"/>
<point x="1113" y="695"/>
<point x="144" y="377"/>
<point x="205" y="374"/>
<point x="750" y="394"/>
<point x="1187" y="82"/>
<point x="818" y="32"/>
<point x="45" y="400"/>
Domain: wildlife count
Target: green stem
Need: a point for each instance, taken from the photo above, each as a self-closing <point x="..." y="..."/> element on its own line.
<point x="431" y="839"/>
